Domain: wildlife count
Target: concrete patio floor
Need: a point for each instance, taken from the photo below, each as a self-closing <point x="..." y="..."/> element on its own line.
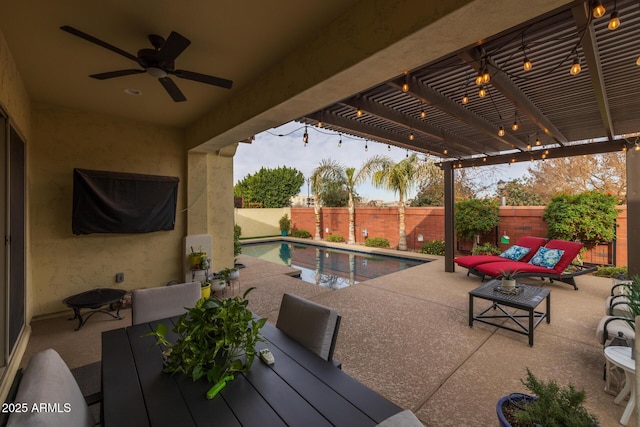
<point x="406" y="335"/>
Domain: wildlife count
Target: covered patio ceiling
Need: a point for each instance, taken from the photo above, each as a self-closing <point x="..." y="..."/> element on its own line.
<point x="557" y="113"/>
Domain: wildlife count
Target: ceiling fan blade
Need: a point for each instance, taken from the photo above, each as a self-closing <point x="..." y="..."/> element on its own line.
<point x="203" y="78"/>
<point x="112" y="74"/>
<point x="99" y="42"/>
<point x="173" y="47"/>
<point x="173" y="90"/>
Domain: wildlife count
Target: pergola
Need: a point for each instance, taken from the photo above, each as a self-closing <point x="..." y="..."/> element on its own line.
<point x="517" y="96"/>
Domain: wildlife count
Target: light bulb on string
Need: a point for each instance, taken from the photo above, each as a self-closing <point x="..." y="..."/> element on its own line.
<point x="486" y="76"/>
<point x="614" y="21"/>
<point x="446" y="151"/>
<point x="528" y="147"/>
<point x="305" y="136"/>
<point x="407" y="155"/>
<point x="575" y="68"/>
<point x="479" y="79"/>
<point x="638" y="61"/>
<point x="526" y="64"/>
<point x="482" y="92"/>
<point x="411" y="136"/>
<point x="388" y="147"/>
<point x="423" y="114"/>
<point x="598" y="9"/>
<point x="319" y="123"/>
<point x="538" y="141"/>
<point x="465" y="98"/>
<point x="359" y="112"/>
<point x="484" y="159"/>
<point x="366" y="146"/>
<point x="405" y="85"/>
<point x="501" y="131"/>
<point x="340" y="141"/>
<point x="515" y="126"/>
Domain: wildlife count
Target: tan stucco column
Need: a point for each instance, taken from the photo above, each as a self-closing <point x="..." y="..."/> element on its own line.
<point x="210" y="201"/>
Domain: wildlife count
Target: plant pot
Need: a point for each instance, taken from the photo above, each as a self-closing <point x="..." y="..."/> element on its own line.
<point x="508" y="283"/>
<point x="205" y="291"/>
<point x="283" y="233"/>
<point x="234" y="275"/>
<point x="517" y="398"/>
<point x="218" y="285"/>
<point x="195" y="259"/>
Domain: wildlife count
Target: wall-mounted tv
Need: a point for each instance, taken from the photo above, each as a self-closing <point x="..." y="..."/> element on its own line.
<point x="116" y="202"/>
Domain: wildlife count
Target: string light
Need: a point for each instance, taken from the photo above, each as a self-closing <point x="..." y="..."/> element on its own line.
<point x="484" y="159"/>
<point x="486" y="76"/>
<point x="366" y="146"/>
<point x="501" y="131"/>
<point x="411" y="137"/>
<point x="482" y="93"/>
<point x="479" y="79"/>
<point x="526" y="64"/>
<point x="305" y="136"/>
<point x="388" y="147"/>
<point x="614" y="21"/>
<point x="538" y="140"/>
<point x="319" y="123"/>
<point x="446" y="151"/>
<point x="515" y="126"/>
<point x="528" y="147"/>
<point x="465" y="98"/>
<point x="340" y="141"/>
<point x="598" y="9"/>
<point x="405" y="85"/>
<point x="575" y="68"/>
<point x="359" y="112"/>
<point x="407" y="155"/>
<point x="638" y="61"/>
<point x="423" y="114"/>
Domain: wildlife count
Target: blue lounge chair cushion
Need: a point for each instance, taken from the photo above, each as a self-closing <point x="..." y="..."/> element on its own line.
<point x="547" y="258"/>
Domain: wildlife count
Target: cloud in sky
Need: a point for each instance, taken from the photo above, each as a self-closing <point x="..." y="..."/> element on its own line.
<point x="270" y="150"/>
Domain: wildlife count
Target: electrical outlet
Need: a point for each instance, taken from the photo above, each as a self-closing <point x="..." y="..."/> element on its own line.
<point x="119" y="277"/>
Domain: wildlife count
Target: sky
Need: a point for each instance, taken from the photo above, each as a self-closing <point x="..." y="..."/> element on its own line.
<point x="270" y="150"/>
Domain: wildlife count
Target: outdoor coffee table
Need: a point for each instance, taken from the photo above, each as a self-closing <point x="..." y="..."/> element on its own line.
<point x="527" y="299"/>
<point x="94" y="300"/>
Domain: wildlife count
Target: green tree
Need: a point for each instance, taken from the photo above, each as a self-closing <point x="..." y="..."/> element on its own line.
<point x="271" y="187"/>
<point x="324" y="179"/>
<point x="401" y="178"/>
<point x="519" y="192"/>
<point x="431" y="187"/>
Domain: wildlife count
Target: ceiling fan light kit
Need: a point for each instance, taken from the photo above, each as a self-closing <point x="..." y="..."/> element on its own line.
<point x="158" y="62"/>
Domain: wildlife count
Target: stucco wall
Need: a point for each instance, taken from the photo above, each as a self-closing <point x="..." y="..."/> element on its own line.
<point x="63" y="264"/>
<point x="260" y="222"/>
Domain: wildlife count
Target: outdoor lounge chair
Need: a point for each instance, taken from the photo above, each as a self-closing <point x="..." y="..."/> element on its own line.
<point x="470" y="262"/>
<point x="557" y="271"/>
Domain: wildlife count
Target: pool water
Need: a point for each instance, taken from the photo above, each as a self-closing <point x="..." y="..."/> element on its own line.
<point x="331" y="268"/>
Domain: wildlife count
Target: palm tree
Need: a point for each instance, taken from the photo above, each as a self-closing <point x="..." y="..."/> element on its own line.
<point x="332" y="173"/>
<point x="329" y="171"/>
<point x="400" y="178"/>
<point x="353" y="178"/>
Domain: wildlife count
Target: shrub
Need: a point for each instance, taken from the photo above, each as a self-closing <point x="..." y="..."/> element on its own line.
<point x="335" y="238"/>
<point x="285" y="223"/>
<point x="376" y="242"/>
<point x="588" y="217"/>
<point x="303" y="234"/>
<point x="611" y="271"/>
<point x="486" y="249"/>
<point x="475" y="217"/>
<point x="237" y="246"/>
<point x="434" y="247"/>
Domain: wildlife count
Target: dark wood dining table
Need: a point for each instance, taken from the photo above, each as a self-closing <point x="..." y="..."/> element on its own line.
<point x="299" y="389"/>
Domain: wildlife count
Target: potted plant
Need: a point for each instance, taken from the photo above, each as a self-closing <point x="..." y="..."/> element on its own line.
<point x="218" y="283"/>
<point x="551" y="404"/>
<point x="227" y="274"/>
<point x="205" y="289"/>
<point x="285" y="224"/>
<point x="216" y="339"/>
<point x="196" y="259"/>
<point x="508" y="278"/>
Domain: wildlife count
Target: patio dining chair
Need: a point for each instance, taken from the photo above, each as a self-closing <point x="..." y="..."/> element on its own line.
<point x="166" y="301"/>
<point x="312" y="325"/>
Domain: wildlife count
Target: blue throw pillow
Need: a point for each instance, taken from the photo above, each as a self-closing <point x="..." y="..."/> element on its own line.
<point x="515" y="253"/>
<point x="547" y="258"/>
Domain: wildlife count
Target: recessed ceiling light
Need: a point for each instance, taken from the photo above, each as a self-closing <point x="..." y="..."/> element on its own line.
<point x="134" y="92"/>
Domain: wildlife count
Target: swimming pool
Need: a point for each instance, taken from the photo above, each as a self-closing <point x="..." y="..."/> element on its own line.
<point x="328" y="267"/>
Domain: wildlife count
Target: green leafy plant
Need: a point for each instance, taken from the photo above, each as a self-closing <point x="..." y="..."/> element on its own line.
<point x="337" y="238"/>
<point x="555" y="405"/>
<point x="376" y="242"/>
<point x="632" y="292"/>
<point x="487" y="248"/>
<point x="475" y="217"/>
<point x="611" y="271"/>
<point x="225" y="273"/>
<point x="215" y="339"/>
<point x="434" y="247"/>
<point x="303" y="234"/>
<point x="237" y="246"/>
<point x="285" y="223"/>
<point x="588" y="217"/>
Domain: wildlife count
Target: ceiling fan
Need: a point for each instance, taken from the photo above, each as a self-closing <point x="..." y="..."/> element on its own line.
<point x="158" y="62"/>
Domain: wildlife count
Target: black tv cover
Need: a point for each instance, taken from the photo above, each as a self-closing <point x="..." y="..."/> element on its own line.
<point x="114" y="202"/>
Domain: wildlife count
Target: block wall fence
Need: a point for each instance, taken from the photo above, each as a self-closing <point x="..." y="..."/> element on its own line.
<point x="424" y="224"/>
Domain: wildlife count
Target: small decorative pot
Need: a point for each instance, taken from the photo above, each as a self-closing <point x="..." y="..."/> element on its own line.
<point x="195" y="259"/>
<point x="509" y="283"/>
<point x="514" y="397"/>
<point x="205" y="291"/>
<point x="218" y="285"/>
<point x="234" y="275"/>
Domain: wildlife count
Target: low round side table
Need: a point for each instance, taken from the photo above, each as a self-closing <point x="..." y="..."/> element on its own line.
<point x="621" y="356"/>
<point x="94" y="299"/>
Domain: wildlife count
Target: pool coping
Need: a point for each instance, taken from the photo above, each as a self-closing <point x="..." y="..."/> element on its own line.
<point x="357" y="248"/>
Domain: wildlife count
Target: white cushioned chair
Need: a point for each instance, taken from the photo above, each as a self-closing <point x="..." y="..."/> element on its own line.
<point x="310" y="324"/>
<point x="48" y="380"/>
<point x="610" y="327"/>
<point x="166" y="301"/>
